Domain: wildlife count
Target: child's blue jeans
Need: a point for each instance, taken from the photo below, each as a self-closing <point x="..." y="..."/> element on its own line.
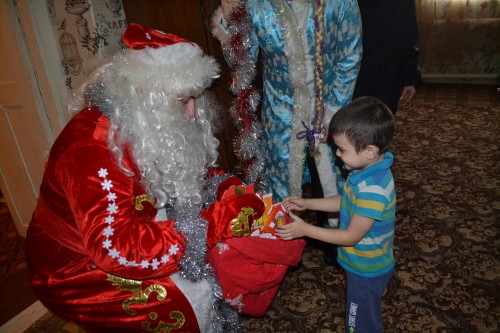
<point x="364" y="303"/>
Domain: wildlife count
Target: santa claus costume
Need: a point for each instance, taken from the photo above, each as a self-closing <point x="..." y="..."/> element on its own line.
<point x="116" y="242"/>
<point x="130" y="203"/>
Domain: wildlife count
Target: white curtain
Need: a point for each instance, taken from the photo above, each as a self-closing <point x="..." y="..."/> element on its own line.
<point x="459" y="38"/>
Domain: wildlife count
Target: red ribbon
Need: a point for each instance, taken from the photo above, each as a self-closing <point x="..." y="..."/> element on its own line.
<point x="137" y="38"/>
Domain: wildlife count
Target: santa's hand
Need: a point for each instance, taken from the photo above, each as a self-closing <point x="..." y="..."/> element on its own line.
<point x="293" y="230"/>
<point x="294" y="203"/>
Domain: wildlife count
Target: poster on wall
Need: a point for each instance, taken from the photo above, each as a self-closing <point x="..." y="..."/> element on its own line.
<point x="87" y="32"/>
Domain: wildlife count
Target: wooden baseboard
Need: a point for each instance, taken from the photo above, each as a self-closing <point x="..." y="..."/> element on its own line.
<point x="25" y="319"/>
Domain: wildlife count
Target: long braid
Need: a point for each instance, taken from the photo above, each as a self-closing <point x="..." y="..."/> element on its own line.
<point x="319" y="65"/>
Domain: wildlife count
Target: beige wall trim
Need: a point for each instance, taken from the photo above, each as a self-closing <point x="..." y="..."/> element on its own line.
<point x="45" y="60"/>
<point x="486" y="79"/>
<point x="25" y="319"/>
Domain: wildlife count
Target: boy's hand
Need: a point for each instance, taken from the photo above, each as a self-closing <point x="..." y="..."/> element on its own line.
<point x="293" y="230"/>
<point x="293" y="203"/>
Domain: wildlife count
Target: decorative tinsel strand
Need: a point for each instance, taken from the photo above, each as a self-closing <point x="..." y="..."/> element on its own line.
<point x="243" y="111"/>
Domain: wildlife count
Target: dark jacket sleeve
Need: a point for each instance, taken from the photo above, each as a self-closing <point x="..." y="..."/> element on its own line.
<point x="410" y="75"/>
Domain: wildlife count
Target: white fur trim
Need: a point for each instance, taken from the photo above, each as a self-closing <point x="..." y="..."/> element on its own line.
<point x="327" y="177"/>
<point x="179" y="69"/>
<point x="199" y="295"/>
<point x="218" y="30"/>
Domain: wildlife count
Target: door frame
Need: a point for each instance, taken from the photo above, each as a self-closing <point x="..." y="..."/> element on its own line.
<point x="40" y="52"/>
<point x="28" y="20"/>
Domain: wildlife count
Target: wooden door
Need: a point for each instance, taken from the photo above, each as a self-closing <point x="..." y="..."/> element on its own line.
<point x="190" y="19"/>
<point x="25" y="134"/>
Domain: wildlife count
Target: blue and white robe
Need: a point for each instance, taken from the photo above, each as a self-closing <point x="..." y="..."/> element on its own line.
<point x="283" y="32"/>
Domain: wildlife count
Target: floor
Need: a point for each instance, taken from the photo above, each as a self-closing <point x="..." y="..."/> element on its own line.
<point x="17" y="295"/>
<point x="13" y="273"/>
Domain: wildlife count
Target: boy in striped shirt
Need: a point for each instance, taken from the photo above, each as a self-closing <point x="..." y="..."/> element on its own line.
<point x="362" y="132"/>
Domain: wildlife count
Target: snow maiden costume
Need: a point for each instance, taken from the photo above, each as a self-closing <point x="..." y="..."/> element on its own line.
<point x="117" y="242"/>
<point x="311" y="51"/>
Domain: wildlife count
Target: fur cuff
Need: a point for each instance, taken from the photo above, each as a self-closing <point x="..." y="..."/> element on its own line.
<point x="218" y="29"/>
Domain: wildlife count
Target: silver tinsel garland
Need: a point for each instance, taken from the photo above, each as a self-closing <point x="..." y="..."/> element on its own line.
<point x="193" y="263"/>
<point x="247" y="144"/>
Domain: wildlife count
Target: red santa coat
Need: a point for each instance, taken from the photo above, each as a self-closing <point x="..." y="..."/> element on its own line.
<point x="94" y="256"/>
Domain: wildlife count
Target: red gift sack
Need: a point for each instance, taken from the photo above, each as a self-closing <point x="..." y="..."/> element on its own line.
<point x="250" y="270"/>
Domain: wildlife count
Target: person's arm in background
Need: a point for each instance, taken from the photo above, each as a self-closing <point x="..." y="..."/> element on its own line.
<point x="347" y="57"/>
<point x="411" y="77"/>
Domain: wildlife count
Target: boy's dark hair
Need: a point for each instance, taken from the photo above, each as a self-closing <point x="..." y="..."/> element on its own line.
<point x="365" y="121"/>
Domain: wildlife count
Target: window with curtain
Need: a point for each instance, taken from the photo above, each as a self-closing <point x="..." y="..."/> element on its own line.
<point x="459" y="39"/>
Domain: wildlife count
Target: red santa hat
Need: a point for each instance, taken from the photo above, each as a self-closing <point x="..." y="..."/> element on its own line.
<point x="162" y="61"/>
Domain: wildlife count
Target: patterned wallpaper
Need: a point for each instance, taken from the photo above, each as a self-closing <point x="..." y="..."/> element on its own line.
<point x="459" y="37"/>
<point x="87" y="31"/>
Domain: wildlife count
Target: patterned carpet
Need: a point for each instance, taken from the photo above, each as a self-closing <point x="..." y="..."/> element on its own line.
<point x="447" y="247"/>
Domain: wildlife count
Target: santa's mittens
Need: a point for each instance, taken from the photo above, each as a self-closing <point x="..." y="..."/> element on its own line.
<point x="226" y="184"/>
<point x="232" y="217"/>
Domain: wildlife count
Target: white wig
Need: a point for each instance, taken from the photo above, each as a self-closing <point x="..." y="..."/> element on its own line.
<point x="178" y="69"/>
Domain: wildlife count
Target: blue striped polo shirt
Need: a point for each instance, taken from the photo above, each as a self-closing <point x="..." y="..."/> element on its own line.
<point x="370" y="193"/>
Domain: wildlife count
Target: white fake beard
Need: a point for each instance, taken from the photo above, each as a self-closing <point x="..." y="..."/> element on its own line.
<point x="171" y="150"/>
